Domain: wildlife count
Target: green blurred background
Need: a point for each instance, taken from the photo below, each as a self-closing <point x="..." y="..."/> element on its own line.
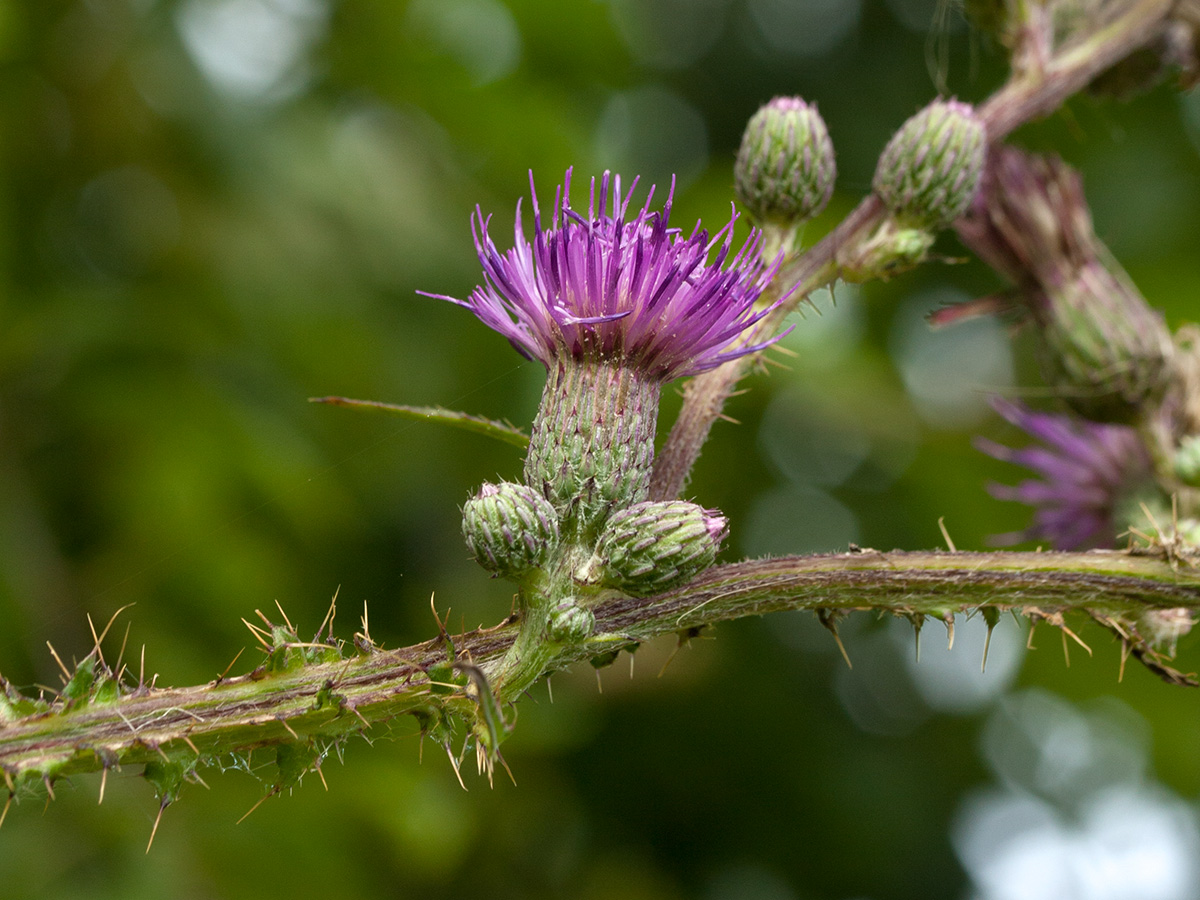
<point x="215" y="209"/>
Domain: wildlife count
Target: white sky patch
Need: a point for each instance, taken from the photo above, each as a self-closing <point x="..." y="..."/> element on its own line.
<point x="253" y="49"/>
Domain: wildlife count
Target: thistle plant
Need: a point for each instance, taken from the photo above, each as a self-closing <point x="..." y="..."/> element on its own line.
<point x="603" y="549"/>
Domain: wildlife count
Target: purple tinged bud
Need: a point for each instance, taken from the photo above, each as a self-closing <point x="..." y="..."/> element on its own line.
<point x="785" y="167"/>
<point x="510" y="528"/>
<point x="928" y="172"/>
<point x="654" y="546"/>
<point x="1104" y="348"/>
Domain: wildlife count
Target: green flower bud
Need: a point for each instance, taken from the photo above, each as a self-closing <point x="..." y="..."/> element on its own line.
<point x="571" y="623"/>
<point x="654" y="546"/>
<point x="929" y="170"/>
<point x="890" y="251"/>
<point x="510" y="528"/>
<point x="785" y="167"/>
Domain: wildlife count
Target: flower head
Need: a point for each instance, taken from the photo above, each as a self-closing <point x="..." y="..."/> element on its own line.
<point x="1089" y="472"/>
<point x="600" y="286"/>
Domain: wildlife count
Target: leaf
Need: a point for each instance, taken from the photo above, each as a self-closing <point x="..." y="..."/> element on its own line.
<point x="501" y="431"/>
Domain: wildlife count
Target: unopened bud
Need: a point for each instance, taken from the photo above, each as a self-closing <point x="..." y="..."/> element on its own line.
<point x="785" y="167"/>
<point x="929" y="170"/>
<point x="510" y="528"/>
<point x="571" y="623"/>
<point x="654" y="546"/>
<point x="890" y="251"/>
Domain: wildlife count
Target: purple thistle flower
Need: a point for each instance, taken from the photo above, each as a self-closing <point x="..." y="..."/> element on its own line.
<point x="597" y="287"/>
<point x="1087" y="471"/>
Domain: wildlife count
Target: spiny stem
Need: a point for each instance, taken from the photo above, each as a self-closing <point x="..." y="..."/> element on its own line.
<point x="321" y="700"/>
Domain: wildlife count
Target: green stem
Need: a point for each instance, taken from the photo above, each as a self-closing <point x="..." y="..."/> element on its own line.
<point x="316" y="699"/>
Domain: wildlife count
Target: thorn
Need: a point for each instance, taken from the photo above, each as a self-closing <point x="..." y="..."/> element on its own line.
<point x="631" y="658"/>
<point x="154" y="830"/>
<point x="987" y="643"/>
<point x="918" y="622"/>
<point x="321" y="775"/>
<point x="946" y="534"/>
<point x="121" y="654"/>
<point x="284" y="723"/>
<point x="828" y="618"/>
<point x="103" y="634"/>
<point x="329" y="616"/>
<point x="266" y="621"/>
<point x="366" y="628"/>
<point x="221" y="677"/>
<point x="95" y="639"/>
<point x="949" y="620"/>
<point x="286" y="620"/>
<point x="49" y="787"/>
<point x="550" y="689"/>
<point x="4" y="813"/>
<point x="1126" y="649"/>
<point x="1066" y="649"/>
<point x="663" y="671"/>
<point x="159" y="750"/>
<point x="1029" y="639"/>
<point x="361" y="718"/>
<point x="730" y="419"/>
<point x="504" y="763"/>
<point x="187" y="740"/>
<point x="9" y="782"/>
<point x="260" y="802"/>
<point x="54" y="653"/>
<point x="1067" y="632"/>
<point x="195" y="776"/>
<point x="599" y="683"/>
<point x="454" y="764"/>
<point x="259" y="635"/>
<point x="103" y="782"/>
<point x="142" y="670"/>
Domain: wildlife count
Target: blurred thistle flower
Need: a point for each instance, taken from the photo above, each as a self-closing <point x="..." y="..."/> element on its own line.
<point x="1106" y="351"/>
<point x="636" y="293"/>
<point x="1092" y="478"/>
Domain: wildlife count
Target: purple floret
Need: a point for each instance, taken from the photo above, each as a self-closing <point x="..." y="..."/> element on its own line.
<point x="639" y="293"/>
<point x="1086" y="469"/>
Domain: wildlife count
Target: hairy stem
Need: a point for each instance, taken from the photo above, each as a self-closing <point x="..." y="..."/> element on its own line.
<point x="311" y="695"/>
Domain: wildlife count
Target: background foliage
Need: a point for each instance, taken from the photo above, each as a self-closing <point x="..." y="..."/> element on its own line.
<point x="214" y="209"/>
